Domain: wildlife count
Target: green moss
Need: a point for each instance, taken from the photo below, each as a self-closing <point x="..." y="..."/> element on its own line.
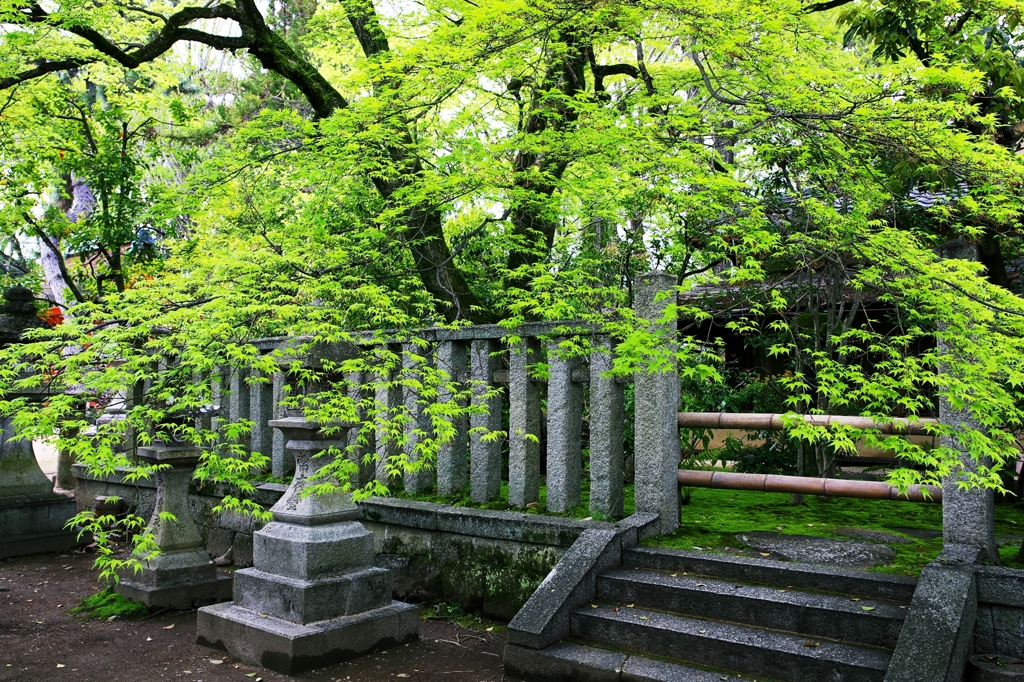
<point x="107" y="604"/>
<point x="714" y="517"/>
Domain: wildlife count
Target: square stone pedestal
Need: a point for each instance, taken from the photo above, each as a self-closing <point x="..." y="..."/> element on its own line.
<point x="286" y="647"/>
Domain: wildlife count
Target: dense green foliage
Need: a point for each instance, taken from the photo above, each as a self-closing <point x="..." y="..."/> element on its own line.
<point x="327" y="168"/>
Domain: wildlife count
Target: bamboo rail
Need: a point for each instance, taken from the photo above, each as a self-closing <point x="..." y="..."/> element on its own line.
<point x="774" y="422"/>
<point x="831" y="487"/>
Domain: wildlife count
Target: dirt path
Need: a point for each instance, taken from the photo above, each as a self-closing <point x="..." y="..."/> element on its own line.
<point x="39" y="640"/>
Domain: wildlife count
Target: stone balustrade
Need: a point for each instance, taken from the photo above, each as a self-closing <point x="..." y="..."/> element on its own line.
<point x="530" y="398"/>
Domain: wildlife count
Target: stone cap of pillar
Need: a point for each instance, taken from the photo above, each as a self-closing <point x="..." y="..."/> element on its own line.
<point x="175" y="455"/>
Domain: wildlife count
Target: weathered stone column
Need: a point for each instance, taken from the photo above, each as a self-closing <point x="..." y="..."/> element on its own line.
<point x="484" y="455"/>
<point x="968" y="515"/>
<point x="656" y="394"/>
<point x="282" y="464"/>
<point x="524" y="412"/>
<point x="32" y="516"/>
<point x="606" y="426"/>
<point x="422" y="481"/>
<point x="313" y="596"/>
<point x="565" y="430"/>
<point x="452" y="462"/>
<point x="261" y="411"/>
<point x="357" y="451"/>
<point x="182" y="575"/>
<point x="388" y="400"/>
<point x="239" y="400"/>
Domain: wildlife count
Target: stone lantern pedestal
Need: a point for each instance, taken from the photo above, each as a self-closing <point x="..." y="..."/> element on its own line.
<point x="182" y="575"/>
<point x="313" y="596"/>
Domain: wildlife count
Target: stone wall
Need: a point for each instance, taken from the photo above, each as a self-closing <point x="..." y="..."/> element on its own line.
<point x="999" y="628"/>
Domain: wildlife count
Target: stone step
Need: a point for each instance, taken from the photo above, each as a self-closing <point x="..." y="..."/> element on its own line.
<point x="749" y="651"/>
<point x="787" y="575"/>
<point x="572" y="662"/>
<point x="869" y="622"/>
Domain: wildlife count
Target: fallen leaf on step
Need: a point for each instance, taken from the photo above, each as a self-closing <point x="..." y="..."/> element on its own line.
<point x="702" y="631"/>
<point x="674" y="575"/>
<point x="593" y="606"/>
<point x="149" y="639"/>
<point x="781" y="590"/>
<point x="701" y="585"/>
<point x="401" y="675"/>
<point x="765" y="553"/>
<point x="169" y="627"/>
<point x="60" y="665"/>
<point x="855" y="599"/>
<point x="868" y="608"/>
<point x="490" y="629"/>
<point x="812" y="644"/>
<point x="216" y="661"/>
<point x="643" y="617"/>
<point x="629" y="606"/>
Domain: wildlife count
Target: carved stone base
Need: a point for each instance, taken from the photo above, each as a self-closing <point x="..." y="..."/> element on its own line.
<point x="288" y="647"/>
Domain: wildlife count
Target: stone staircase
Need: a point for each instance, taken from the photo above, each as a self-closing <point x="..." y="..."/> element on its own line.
<point x="679" y="616"/>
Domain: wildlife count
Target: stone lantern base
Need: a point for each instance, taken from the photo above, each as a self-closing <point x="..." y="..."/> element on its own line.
<point x="182" y="575"/>
<point x="314" y="596"/>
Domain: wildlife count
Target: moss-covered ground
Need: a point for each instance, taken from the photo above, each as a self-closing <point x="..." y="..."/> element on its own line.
<point x="582" y="511"/>
<point x="713" y="518"/>
<point x="107" y="604"/>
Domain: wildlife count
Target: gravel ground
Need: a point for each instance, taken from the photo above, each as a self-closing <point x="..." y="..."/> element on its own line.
<point x="40" y="640"/>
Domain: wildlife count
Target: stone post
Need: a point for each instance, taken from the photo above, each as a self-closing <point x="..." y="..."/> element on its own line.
<point x="282" y="464"/>
<point x="181" y="575"/>
<point x="261" y="411"/>
<point x="452" y="462"/>
<point x="656" y="394"/>
<point x="484" y="455"/>
<point x="388" y="400"/>
<point x="968" y="516"/>
<point x="313" y="596"/>
<point x="357" y="452"/>
<point x="422" y="481"/>
<point x="524" y="412"/>
<point x="565" y="429"/>
<point x="239" y="401"/>
<point x="606" y="426"/>
<point x="32" y="516"/>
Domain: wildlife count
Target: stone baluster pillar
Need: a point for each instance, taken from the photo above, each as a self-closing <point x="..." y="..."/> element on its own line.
<point x="484" y="455"/>
<point x="968" y="515"/>
<point x="32" y="516"/>
<point x="281" y="463"/>
<point x="565" y="427"/>
<point x="313" y="596"/>
<point x="239" y="401"/>
<point x="261" y="411"/>
<point x="524" y="412"/>
<point x="181" y="575"/>
<point x="422" y="481"/>
<point x="357" y="451"/>
<point x="388" y="399"/>
<point x="657" y="407"/>
<point x="606" y="426"/>
<point x="452" y="462"/>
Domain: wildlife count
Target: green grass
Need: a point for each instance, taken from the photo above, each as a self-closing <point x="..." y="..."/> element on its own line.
<point x="714" y="517"/>
<point x="107" y="604"/>
<point x="580" y="512"/>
